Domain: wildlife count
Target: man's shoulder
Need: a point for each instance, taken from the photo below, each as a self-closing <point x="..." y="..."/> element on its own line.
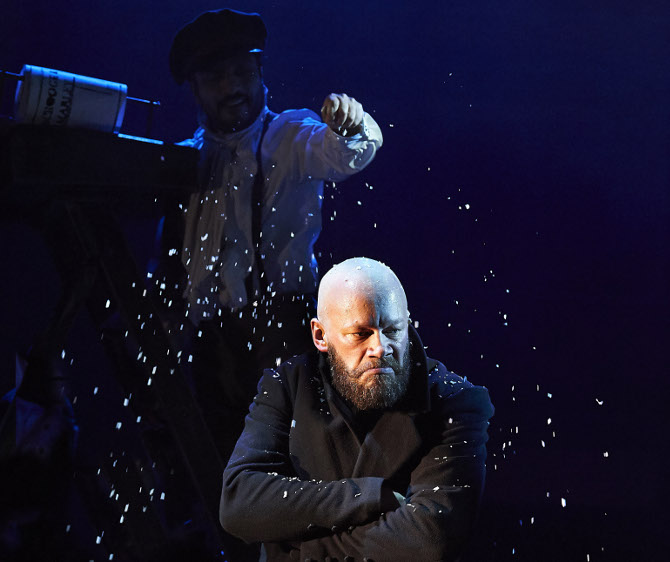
<point x="299" y="379"/>
<point x="444" y="381"/>
<point x="450" y="389"/>
<point x="304" y="361"/>
<point x="298" y="369"/>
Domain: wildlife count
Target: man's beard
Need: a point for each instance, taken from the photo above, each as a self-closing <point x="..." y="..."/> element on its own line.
<point x="386" y="390"/>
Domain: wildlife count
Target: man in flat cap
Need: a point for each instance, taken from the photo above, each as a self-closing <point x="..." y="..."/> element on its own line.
<point x="363" y="448"/>
<point x="248" y="242"/>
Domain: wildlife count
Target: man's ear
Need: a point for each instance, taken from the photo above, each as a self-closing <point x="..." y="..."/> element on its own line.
<point x="319" y="335"/>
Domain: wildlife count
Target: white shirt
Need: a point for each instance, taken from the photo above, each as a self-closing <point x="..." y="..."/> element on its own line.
<point x="298" y="154"/>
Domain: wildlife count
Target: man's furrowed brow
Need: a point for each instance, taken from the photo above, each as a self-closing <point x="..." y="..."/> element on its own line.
<point x="357" y="325"/>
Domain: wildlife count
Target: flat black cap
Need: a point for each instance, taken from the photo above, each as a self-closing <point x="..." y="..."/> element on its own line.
<point x="214" y="36"/>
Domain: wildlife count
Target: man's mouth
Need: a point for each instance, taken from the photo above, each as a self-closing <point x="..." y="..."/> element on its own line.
<point x="378" y="371"/>
<point x="233" y="101"/>
<point x="370" y="376"/>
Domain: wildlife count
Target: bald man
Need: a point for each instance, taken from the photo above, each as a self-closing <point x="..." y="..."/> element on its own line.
<point x="364" y="449"/>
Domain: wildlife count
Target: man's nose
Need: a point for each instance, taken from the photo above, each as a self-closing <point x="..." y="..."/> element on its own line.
<point x="227" y="82"/>
<point x="379" y="345"/>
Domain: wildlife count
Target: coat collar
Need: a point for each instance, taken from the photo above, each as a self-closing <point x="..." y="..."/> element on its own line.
<point x="376" y="436"/>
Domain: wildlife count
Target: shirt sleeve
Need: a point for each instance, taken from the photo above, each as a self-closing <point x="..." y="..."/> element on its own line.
<point x="299" y="142"/>
<point x="442" y="499"/>
<point x="262" y="498"/>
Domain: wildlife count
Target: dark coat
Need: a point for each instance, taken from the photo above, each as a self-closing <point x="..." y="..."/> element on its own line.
<point x="313" y="481"/>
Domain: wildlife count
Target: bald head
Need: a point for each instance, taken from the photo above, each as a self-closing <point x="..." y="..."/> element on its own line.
<point x="354" y="279"/>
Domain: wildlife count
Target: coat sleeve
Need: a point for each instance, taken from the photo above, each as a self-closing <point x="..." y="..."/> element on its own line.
<point x="300" y="142"/>
<point x="442" y="499"/>
<point x="263" y="500"/>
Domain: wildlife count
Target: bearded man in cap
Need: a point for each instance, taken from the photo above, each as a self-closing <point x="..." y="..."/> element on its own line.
<point x="249" y="232"/>
<point x="364" y="448"/>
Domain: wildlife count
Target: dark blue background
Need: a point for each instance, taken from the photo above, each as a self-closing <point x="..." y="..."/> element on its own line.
<point x="521" y="195"/>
